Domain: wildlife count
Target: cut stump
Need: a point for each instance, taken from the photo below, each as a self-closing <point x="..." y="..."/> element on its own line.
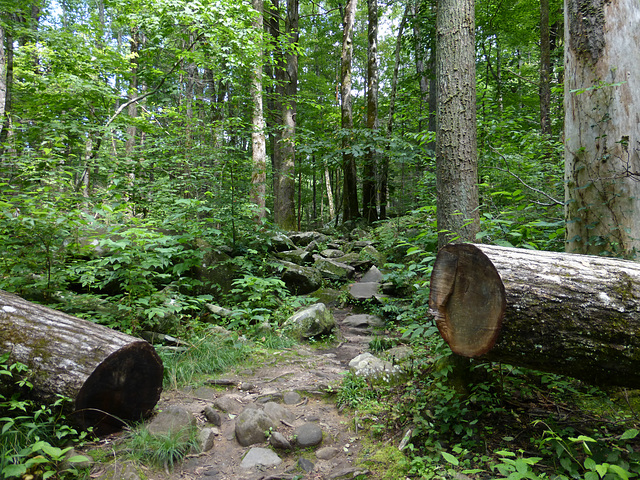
<point x="111" y="377"/>
<point x="576" y="315"/>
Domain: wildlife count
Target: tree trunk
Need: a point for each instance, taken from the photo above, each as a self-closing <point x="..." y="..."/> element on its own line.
<point x="456" y="136"/>
<point x="570" y="314"/>
<point x="258" y="142"/>
<point x="602" y="131"/>
<point x="545" y="69"/>
<point x="369" y="180"/>
<point x="7" y="85"/>
<point x="110" y="376"/>
<point x="350" y="188"/>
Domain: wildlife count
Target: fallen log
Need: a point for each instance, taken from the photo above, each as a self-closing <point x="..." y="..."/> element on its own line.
<point x="111" y="377"/>
<point x="576" y="315"/>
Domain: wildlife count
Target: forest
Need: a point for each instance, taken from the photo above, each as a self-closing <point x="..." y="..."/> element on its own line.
<point x="153" y="153"/>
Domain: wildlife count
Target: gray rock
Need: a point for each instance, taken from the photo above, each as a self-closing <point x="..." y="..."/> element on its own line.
<point x="212" y="416"/>
<point x="215" y="270"/>
<point x="305" y="238"/>
<point x="332" y="253"/>
<point x="206" y="438"/>
<point x="297" y="256"/>
<point x="260" y="457"/>
<point x="281" y="243"/>
<point x="172" y="420"/>
<point x="305" y="465"/>
<point x="277" y="440"/>
<point x="299" y="279"/>
<point x="279" y="412"/>
<point x="291" y="398"/>
<point x="326" y="453"/>
<point x="308" y="435"/>
<point x="369" y="252"/>
<point x="120" y="470"/>
<point x="251" y="426"/>
<point x="228" y="404"/>
<point x="217" y="310"/>
<point x="312" y="321"/>
<point x="363" y="321"/>
<point x="334" y="270"/>
<point x="375" y="369"/>
<point x="372" y="275"/>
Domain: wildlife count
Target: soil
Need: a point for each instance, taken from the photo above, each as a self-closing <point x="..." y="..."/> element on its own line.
<point x="310" y="372"/>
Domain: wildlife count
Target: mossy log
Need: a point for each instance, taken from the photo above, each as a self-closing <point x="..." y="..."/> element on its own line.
<point x="110" y="376"/>
<point x="576" y="315"/>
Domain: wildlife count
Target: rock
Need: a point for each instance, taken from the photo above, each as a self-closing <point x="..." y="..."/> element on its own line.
<point x="300" y="280"/>
<point x="308" y="435"/>
<point x="217" y="310"/>
<point x="291" y="398"/>
<point x="205" y="439"/>
<point x="305" y="238"/>
<point x="251" y="426"/>
<point x="334" y="270"/>
<point x="363" y="321"/>
<point x="228" y="404"/>
<point x="370" y="253"/>
<point x="119" y="471"/>
<point x="312" y="321"/>
<point x="375" y="369"/>
<point x="326" y="453"/>
<point x="172" y="420"/>
<point x="260" y="457"/>
<point x="280" y="243"/>
<point x="277" y="440"/>
<point x="297" y="256"/>
<point x="305" y="465"/>
<point x="215" y="270"/>
<point x="205" y="393"/>
<point x="212" y="416"/>
<point x="279" y="412"/>
<point x="365" y="291"/>
<point x="372" y="275"/>
<point x="332" y="253"/>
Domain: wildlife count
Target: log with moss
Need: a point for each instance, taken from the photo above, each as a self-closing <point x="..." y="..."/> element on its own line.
<point x="563" y="313"/>
<point x="111" y="377"/>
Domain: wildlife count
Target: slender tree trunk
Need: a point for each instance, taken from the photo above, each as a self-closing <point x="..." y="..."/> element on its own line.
<point x="350" y="189"/>
<point x="369" y="180"/>
<point x="6" y="77"/>
<point x="602" y="130"/>
<point x="327" y="183"/>
<point x="456" y="137"/>
<point x="545" y="69"/>
<point x="258" y="142"/>
<point x="384" y="173"/>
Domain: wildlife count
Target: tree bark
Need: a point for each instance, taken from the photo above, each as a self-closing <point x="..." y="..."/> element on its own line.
<point x="369" y="180"/>
<point x="258" y="141"/>
<point x="350" y="186"/>
<point x="564" y="313"/>
<point x="602" y="131"/>
<point x="456" y="136"/>
<point x="110" y="376"/>
<point x="545" y="69"/>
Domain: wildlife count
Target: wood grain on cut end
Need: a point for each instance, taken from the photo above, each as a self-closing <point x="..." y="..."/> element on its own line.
<point x="468" y="299"/>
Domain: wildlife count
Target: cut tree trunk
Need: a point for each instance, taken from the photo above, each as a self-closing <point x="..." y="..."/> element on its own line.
<point x="111" y="377"/>
<point x="576" y="315"/>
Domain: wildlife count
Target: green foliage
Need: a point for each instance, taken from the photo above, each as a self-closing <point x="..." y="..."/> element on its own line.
<point x="34" y="438"/>
<point x="162" y="450"/>
<point x="355" y="392"/>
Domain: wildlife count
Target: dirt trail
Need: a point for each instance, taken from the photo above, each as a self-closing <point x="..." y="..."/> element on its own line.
<point x="302" y="369"/>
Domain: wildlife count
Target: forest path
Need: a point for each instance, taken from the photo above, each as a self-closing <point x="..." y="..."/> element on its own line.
<point x="296" y="378"/>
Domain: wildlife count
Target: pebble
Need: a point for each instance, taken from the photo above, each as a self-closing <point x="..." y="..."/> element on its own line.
<point x="308" y="435"/>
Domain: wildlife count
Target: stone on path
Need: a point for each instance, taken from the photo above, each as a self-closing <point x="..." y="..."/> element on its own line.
<point x="291" y="398"/>
<point x="305" y="465"/>
<point x="172" y="420"/>
<point x="277" y="440"/>
<point x="326" y="453"/>
<point x="251" y="426"/>
<point x="373" y="368"/>
<point x="206" y="438"/>
<point x="363" y="321"/>
<point x="313" y="321"/>
<point x="228" y="404"/>
<point x="279" y="412"/>
<point x="263" y="457"/>
<point x="308" y="435"/>
<point x="372" y="275"/>
<point x="212" y="416"/>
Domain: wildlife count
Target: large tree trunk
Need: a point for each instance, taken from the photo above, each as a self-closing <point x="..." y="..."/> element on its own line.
<point x="602" y="131"/>
<point x="369" y="177"/>
<point x="456" y="136"/>
<point x="110" y="376"/>
<point x="350" y="188"/>
<point x="570" y="314"/>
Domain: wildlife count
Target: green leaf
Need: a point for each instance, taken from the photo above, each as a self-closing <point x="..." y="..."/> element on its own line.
<point x="450" y="458"/>
<point x="629" y="434"/>
<point x="590" y="464"/>
<point x="621" y="472"/>
<point x="14" y="470"/>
